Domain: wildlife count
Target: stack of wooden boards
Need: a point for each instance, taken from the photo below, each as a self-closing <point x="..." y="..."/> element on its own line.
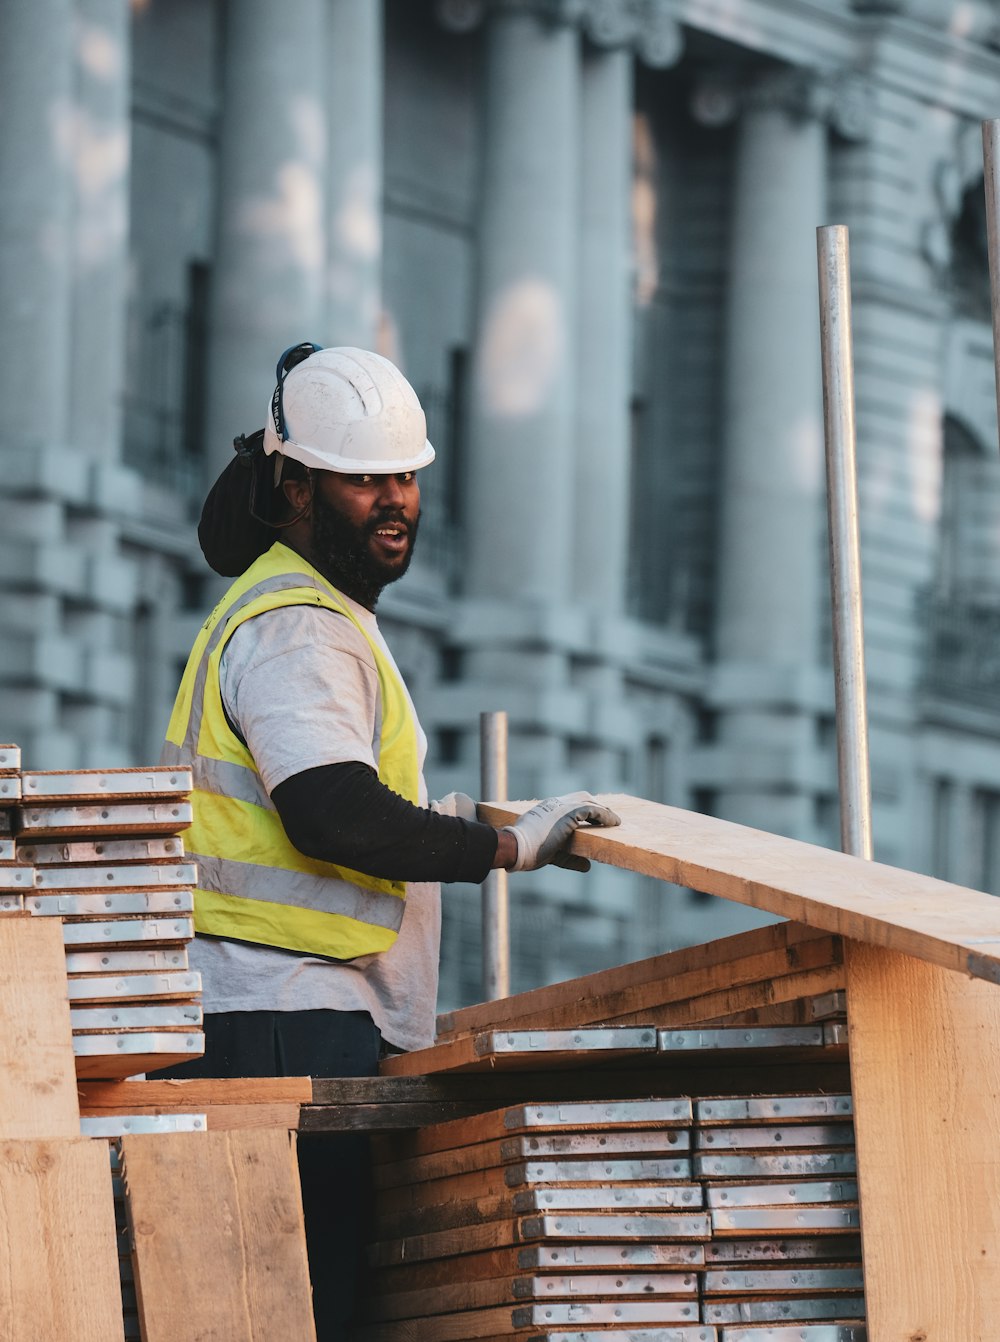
<point x="101" y="849"/>
<point x="209" y="1241"/>
<point x="731" y="1218"/>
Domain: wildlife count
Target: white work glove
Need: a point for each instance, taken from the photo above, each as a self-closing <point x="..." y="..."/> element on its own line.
<point x="458" y="804"/>
<point x="543" y="832"/>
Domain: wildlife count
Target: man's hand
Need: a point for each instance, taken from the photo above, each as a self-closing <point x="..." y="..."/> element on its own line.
<point x="543" y="832"/>
<point x="458" y="804"/>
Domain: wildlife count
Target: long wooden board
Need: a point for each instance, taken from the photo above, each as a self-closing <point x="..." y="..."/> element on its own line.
<point x="925" y="1062"/>
<point x="57" y="1242"/>
<point x="943" y="924"/>
<point x="480" y="1294"/>
<point x="607" y="1146"/>
<point x="131" y="1053"/>
<point x="38" y="1090"/>
<point x="218" y="1237"/>
<point x="580" y="1117"/>
<point x="471" y="1052"/>
<point x="763" y="953"/>
<point x="228" y="1105"/>
<point x="399" y="1212"/>
<point x="554" y="1257"/>
<point x="525" y="1320"/>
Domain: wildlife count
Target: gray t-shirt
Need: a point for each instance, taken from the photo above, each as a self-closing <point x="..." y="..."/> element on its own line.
<point x="319" y="668"/>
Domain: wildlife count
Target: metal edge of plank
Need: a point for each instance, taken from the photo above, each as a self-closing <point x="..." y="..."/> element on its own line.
<point x="585" y="1040"/>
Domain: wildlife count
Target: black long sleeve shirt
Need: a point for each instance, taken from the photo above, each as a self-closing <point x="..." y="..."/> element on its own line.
<point x="342" y="813"/>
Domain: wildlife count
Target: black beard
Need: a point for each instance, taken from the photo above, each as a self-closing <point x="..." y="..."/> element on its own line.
<point x="341" y="552"/>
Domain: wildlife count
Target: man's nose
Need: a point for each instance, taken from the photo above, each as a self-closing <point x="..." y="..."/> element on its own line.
<point x="391" y="493"/>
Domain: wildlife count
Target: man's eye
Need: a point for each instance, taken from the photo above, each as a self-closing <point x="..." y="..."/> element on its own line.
<point x="408" y="477"/>
<point x="361" y="479"/>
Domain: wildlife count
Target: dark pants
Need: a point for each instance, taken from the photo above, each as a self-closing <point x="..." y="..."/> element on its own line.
<point x="335" y="1168"/>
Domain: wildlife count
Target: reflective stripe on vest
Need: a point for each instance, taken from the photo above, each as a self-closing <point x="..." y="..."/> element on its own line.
<point x="253" y="883"/>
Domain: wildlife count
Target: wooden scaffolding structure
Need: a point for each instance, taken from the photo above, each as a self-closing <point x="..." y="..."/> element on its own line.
<point x="213" y="1217"/>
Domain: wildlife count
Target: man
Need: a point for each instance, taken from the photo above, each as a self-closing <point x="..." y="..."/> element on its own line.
<point x="319" y="859"/>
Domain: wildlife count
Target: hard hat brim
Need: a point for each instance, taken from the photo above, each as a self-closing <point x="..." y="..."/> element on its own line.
<point x="326" y="461"/>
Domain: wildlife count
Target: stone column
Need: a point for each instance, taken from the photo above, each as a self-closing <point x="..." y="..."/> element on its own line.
<point x="770" y="575"/>
<point x="618" y="33"/>
<point x="520" y="468"/>
<point x="270" y="258"/>
<point x="36" y="70"/>
<point x="602" y="449"/>
<point x="355" y="173"/>
<point x="101" y="147"/>
<point x="773" y="466"/>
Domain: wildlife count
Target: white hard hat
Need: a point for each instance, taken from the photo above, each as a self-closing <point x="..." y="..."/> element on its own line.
<point x="347" y="410"/>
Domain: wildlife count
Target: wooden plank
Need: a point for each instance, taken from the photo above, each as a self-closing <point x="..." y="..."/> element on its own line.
<point x="38" y="1094"/>
<point x="582" y="1116"/>
<point x="239" y="1271"/>
<point x="446" y="1203"/>
<point x="57" y="1242"/>
<point x="525" y="1320"/>
<point x="416" y="1330"/>
<point x="904" y="911"/>
<point x="515" y="1150"/>
<point x="225" y="1117"/>
<point x="926" y="1082"/>
<point x="824" y="1069"/>
<point x="106" y="850"/>
<point x="131" y="1054"/>
<point x="80" y="822"/>
<point x="461" y="1053"/>
<point x="655" y="1230"/>
<point x="616" y="1288"/>
<point x="632" y="1257"/>
<point x="694" y="969"/>
<point x="177" y="1096"/>
<point x="716" y="1007"/>
<point x="159" y="782"/>
<point x="479" y="1294"/>
<point x="490" y="1090"/>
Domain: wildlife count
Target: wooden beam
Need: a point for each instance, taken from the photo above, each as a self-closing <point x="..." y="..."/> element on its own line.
<point x="471" y="1052"/>
<point x="38" y="1094"/>
<point x="925" y="1067"/>
<point x="57" y="1242"/>
<point x="942" y="924"/>
<point x="169" y="1096"/>
<point x="395" y="1103"/>
<point x="764" y="953"/>
<point x="218" y="1238"/>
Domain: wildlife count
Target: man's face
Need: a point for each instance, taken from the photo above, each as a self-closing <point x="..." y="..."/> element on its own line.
<point x="364" y="530"/>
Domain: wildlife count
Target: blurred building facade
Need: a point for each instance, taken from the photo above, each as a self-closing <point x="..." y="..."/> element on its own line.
<point x="586" y="231"/>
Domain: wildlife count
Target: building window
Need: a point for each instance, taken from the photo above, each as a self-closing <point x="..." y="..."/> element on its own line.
<point x="961" y="621"/>
<point x="441" y="489"/>
<point x="164" y="405"/>
<point x="941" y="823"/>
<point x="986" y="840"/>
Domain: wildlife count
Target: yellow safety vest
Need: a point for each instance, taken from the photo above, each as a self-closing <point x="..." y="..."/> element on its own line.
<point x="253" y="884"/>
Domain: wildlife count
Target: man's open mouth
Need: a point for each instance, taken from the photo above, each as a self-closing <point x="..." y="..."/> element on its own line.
<point x="392" y="537"/>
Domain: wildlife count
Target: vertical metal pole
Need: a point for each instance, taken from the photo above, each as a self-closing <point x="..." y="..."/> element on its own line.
<point x="496" y="915"/>
<point x="845" y="547"/>
<point x="991" y="183"/>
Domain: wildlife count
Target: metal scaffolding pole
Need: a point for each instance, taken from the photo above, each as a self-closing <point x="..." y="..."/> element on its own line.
<point x="845" y="548"/>
<point x="991" y="183"/>
<point x="496" y="912"/>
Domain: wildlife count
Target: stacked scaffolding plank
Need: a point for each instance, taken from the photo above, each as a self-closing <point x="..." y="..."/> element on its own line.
<point x="777" y="1174"/>
<point x="101" y="850"/>
<point x="716" y="1218"/>
<point x="183" y="1234"/>
<point x="60" y="1277"/>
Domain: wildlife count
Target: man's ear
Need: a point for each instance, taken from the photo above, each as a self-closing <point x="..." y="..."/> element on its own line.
<point x="299" y="493"/>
